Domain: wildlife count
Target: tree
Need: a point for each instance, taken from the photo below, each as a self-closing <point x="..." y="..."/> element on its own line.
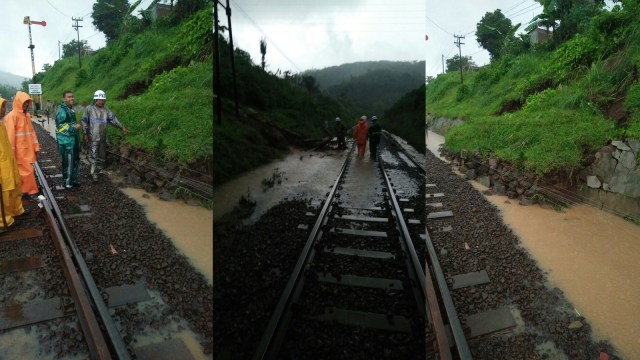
<point x="453" y="64"/>
<point x="71" y="48"/>
<point x="263" y="50"/>
<point x="108" y="16"/>
<point x="572" y="16"/>
<point x="185" y="8"/>
<point x="493" y="31"/>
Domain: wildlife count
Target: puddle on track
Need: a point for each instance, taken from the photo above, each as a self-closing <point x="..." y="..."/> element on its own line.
<point x="189" y="227"/>
<point x="591" y="255"/>
<point x="307" y="174"/>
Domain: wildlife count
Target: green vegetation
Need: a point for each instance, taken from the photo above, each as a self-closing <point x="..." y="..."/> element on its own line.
<point x="276" y="111"/>
<point x="158" y="83"/>
<point x="371" y="86"/>
<point x="405" y="118"/>
<point x="548" y="108"/>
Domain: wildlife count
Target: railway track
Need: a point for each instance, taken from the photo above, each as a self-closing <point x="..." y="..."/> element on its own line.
<point x="50" y="291"/>
<point x="356" y="289"/>
<point x="489" y="284"/>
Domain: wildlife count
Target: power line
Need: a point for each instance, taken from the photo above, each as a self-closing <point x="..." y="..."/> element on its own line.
<point x="58" y="10"/>
<point x="438" y="26"/>
<point x="266" y="36"/>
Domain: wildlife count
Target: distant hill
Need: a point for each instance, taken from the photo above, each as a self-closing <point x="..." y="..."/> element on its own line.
<point x="372" y="86"/>
<point x="13" y="80"/>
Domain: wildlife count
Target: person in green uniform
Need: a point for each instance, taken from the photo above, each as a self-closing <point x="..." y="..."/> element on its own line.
<point x="67" y="128"/>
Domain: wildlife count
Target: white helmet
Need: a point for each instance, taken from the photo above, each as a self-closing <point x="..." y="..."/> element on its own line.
<point x="374" y="118"/>
<point x="363" y="117"/>
<point x="99" y="95"/>
<point x="337" y="119"/>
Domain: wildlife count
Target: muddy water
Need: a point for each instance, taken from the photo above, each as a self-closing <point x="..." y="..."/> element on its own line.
<point x="191" y="230"/>
<point x="591" y="255"/>
<point x="307" y="174"/>
<point x="189" y="227"/>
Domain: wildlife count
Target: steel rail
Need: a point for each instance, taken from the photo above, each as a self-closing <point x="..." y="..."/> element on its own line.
<point x="115" y="342"/>
<point x="464" y="353"/>
<point x="266" y="348"/>
<point x="90" y="327"/>
<point x="416" y="265"/>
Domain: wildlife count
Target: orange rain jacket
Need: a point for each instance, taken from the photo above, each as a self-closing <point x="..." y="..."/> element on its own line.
<point x="360" y="132"/>
<point x="20" y="131"/>
<point x="9" y="178"/>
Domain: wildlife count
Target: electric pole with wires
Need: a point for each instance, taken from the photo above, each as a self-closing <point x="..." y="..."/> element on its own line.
<point x="458" y="43"/>
<point x="76" y="26"/>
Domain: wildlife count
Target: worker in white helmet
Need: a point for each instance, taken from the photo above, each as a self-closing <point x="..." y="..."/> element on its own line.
<point x="94" y="124"/>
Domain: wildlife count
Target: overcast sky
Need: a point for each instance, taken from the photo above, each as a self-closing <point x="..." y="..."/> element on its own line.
<point x="444" y="20"/>
<point x="14" y="39"/>
<point x="307" y="34"/>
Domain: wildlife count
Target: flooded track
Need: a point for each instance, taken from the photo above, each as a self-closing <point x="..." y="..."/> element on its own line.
<point x="576" y="249"/>
<point x="267" y="257"/>
<point x="156" y="310"/>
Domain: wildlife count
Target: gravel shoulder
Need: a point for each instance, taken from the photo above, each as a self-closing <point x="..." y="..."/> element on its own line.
<point x="479" y="240"/>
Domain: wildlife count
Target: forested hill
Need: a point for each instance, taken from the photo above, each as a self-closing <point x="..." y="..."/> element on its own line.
<point x="10" y="79"/>
<point x="335" y="75"/>
<point x="372" y="86"/>
<point x="279" y="110"/>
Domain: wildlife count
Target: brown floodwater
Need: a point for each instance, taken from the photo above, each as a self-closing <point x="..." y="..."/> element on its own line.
<point x="189" y="227"/>
<point x="307" y="174"/>
<point x="591" y="255"/>
<point x="191" y="230"/>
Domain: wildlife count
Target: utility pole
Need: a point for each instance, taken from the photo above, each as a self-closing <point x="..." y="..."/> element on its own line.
<point x="216" y="52"/>
<point x="460" y="53"/>
<point x="443" y="63"/>
<point x="59" y="57"/>
<point x="76" y="26"/>
<point x="233" y="62"/>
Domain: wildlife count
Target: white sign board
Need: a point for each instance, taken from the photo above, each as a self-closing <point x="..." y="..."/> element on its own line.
<point x="35" y="89"/>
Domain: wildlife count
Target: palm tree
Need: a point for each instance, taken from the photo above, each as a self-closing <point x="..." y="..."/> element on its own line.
<point x="263" y="50"/>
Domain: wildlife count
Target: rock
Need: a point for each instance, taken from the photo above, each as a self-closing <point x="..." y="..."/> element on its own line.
<point x="628" y="160"/>
<point x="471" y="174"/>
<point x="593" y="182"/>
<point x="484" y="181"/>
<point x="620" y="145"/>
<point x="634" y="144"/>
<point x="134" y="179"/>
<point x="575" y="325"/>
<point x="166" y="196"/>
<point x="500" y="188"/>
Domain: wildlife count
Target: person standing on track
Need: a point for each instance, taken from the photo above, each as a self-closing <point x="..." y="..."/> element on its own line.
<point x="95" y="119"/>
<point x="67" y="128"/>
<point x="360" y="135"/>
<point x="375" y="130"/>
<point x="339" y="129"/>
<point x="9" y="176"/>
<point x="24" y="141"/>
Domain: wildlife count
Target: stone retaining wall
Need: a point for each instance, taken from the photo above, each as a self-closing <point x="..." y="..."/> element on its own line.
<point x="140" y="170"/>
<point x="611" y="181"/>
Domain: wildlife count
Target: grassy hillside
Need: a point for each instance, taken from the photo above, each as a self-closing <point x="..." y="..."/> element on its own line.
<point x="547" y="110"/>
<point x="275" y="113"/>
<point x="158" y="83"/>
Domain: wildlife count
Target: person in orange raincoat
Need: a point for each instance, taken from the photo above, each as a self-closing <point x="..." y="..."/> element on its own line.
<point x="9" y="177"/>
<point x="360" y="133"/>
<point x="23" y="140"/>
